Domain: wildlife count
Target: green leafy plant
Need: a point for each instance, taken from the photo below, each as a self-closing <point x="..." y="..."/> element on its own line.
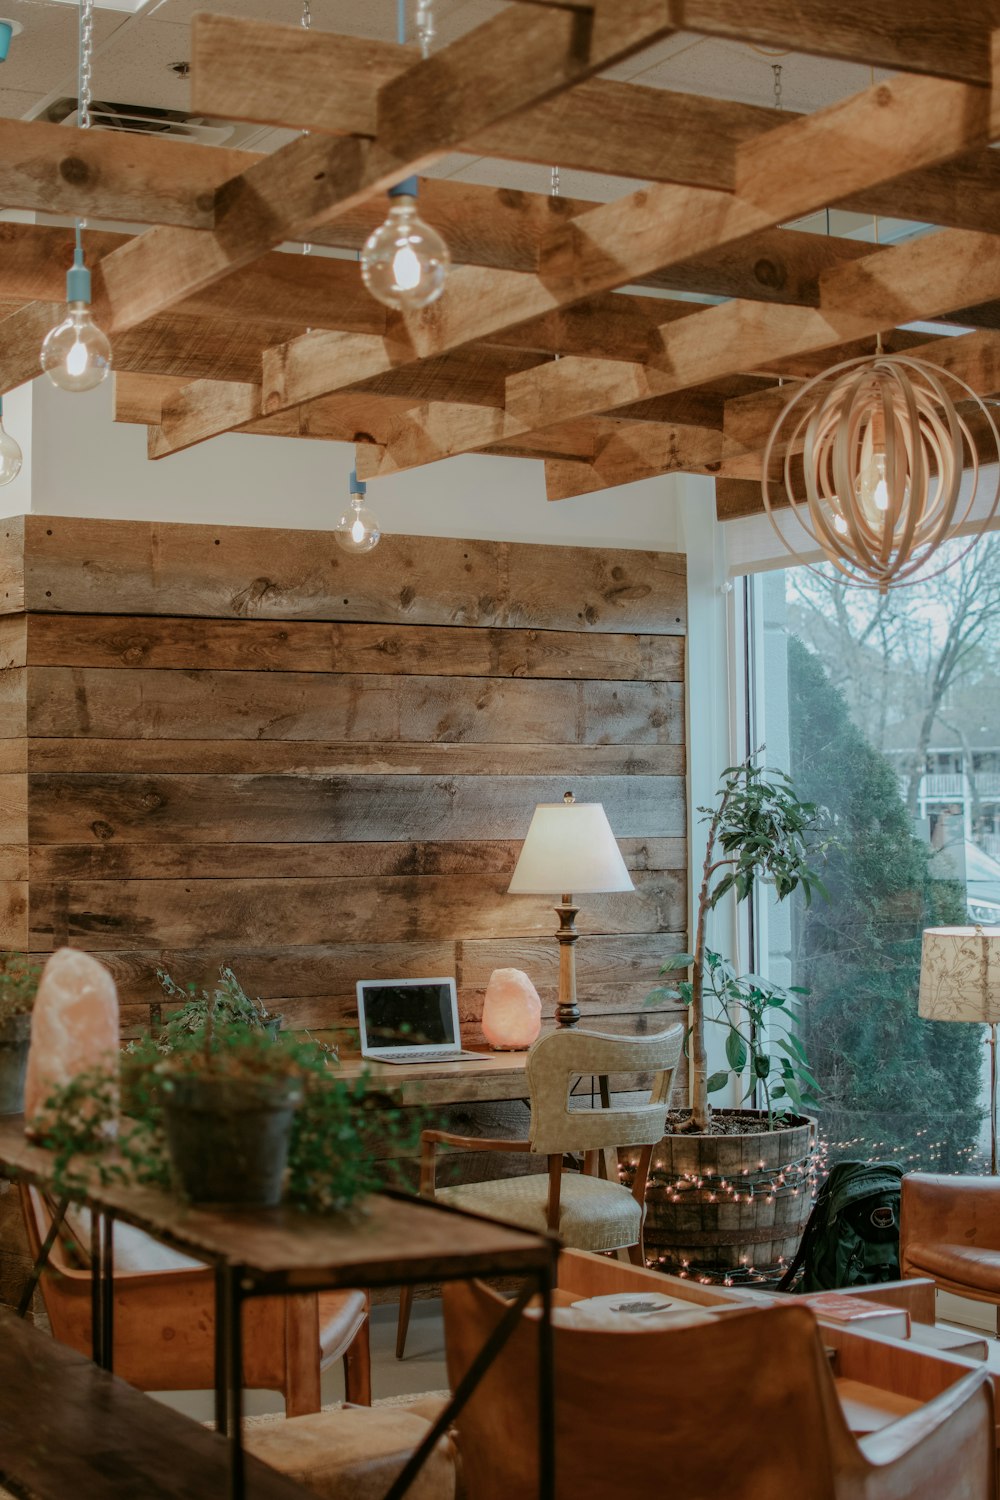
<point x="344" y="1142"/>
<point x="759" y="829"/>
<point x="227" y="1002"/>
<point x="18" y="985"/>
<point x="748" y="1008"/>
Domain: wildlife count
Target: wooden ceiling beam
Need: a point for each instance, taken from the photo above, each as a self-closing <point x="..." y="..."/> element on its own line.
<point x="499" y="68"/>
<point x="877" y="32"/>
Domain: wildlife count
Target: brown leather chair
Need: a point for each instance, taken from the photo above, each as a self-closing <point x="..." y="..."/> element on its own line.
<point x="164" y="1320"/>
<point x="744" y="1407"/>
<point x="950" y="1231"/>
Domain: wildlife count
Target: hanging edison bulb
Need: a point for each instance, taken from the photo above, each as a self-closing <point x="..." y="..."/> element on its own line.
<point x="76" y="354"/>
<point x="11" y="457"/>
<point x="405" y="262"/>
<point x="357" y="530"/>
<point x="883" y="451"/>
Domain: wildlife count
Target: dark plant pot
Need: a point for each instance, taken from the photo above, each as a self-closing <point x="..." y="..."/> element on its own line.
<point x="712" y="1230"/>
<point x="15" y="1038"/>
<point x="229" y="1137"/>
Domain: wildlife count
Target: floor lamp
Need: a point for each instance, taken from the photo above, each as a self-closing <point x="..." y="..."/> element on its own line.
<point x="569" y="847"/>
<point x="960" y="981"/>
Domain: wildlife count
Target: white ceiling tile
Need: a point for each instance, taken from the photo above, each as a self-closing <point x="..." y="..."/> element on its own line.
<point x="44" y="54"/>
<point x="15" y="104"/>
<point x="135" y="68"/>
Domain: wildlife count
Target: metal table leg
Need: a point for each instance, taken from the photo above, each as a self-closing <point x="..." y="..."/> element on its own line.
<point x="43" y="1258"/>
<point x="234" y="1316"/>
<point x="221" y="1351"/>
<point x="96" y="1292"/>
<point x="471" y="1379"/>
<point x="107" y="1291"/>
<point x="546" y="1393"/>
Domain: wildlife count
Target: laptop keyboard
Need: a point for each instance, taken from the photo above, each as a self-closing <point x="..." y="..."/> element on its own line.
<point x="441" y="1054"/>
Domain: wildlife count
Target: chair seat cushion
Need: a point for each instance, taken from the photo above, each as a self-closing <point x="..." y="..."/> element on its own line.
<point x="341" y="1315"/>
<point x="593" y="1214"/>
<point x="962" y="1265"/>
<point x="354" y="1453"/>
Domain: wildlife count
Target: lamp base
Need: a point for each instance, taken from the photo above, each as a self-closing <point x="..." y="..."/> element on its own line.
<point x="567" y="1011"/>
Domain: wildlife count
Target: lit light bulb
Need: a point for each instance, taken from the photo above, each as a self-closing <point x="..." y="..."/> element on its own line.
<point x="11" y="457"/>
<point x="76" y="355"/>
<point x="405" y="262"/>
<point x="357" y="530"/>
<point x="873" y="488"/>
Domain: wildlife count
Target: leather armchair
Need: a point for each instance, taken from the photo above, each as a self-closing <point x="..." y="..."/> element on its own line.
<point x="950" y="1231"/>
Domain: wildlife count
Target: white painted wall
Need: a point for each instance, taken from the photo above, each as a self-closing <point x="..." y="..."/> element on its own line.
<point x="84" y="464"/>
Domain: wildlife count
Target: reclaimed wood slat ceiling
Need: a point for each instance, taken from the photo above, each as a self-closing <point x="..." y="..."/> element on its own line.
<point x="216" y="331"/>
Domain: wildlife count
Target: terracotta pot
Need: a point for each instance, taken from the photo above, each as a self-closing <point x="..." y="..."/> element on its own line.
<point x="712" y="1229"/>
<point x="228" y="1137"/>
<point x="15" y="1038"/>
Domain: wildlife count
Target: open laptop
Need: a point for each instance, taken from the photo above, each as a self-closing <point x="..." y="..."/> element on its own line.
<point x="411" y="1021"/>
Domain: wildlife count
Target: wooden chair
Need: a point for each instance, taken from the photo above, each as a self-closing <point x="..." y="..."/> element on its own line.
<point x="164" y="1320"/>
<point x="744" y="1407"/>
<point x="950" y="1231"/>
<point x="589" y="1212"/>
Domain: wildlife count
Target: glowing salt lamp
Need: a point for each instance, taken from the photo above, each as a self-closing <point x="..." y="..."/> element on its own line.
<point x="512" y="1011"/>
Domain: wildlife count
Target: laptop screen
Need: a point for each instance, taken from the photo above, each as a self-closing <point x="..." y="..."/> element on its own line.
<point x="415" y="1014"/>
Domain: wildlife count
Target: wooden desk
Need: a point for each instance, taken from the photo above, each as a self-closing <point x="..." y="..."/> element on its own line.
<point x="386" y="1240"/>
<point x="500" y="1077"/>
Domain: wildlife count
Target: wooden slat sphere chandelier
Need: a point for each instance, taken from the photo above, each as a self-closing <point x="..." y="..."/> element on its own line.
<point x="883" y="451"/>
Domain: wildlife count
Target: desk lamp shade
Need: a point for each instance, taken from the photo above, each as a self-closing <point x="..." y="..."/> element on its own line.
<point x="960" y="974"/>
<point x="960" y="981"/>
<point x="569" y="848"/>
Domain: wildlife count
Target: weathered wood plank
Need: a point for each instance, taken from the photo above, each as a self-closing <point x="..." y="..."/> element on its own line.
<point x="325" y="971"/>
<point x="230" y="572"/>
<point x="342" y="861"/>
<point x="172" y="913"/>
<point x="317" y="646"/>
<point x="102" y="702"/>
<point x="309" y="758"/>
<point x="194" y="809"/>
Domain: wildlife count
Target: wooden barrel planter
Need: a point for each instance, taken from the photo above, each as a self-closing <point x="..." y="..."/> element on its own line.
<point x="730" y="1207"/>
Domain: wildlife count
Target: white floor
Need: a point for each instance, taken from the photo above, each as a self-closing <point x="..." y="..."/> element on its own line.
<point x="423" y="1369"/>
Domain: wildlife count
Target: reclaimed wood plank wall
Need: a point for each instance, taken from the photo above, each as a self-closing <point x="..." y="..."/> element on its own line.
<point x="229" y="744"/>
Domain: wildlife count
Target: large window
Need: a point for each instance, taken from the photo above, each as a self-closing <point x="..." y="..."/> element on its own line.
<point x="887" y="712"/>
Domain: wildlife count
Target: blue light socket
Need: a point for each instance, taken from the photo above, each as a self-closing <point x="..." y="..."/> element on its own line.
<point x="358" y="486"/>
<point x="405" y="189"/>
<point x="78" y="279"/>
<point x="6" y="32"/>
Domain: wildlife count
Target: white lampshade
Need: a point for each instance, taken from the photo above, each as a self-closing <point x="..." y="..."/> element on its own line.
<point x="960" y="974"/>
<point x="569" y="848"/>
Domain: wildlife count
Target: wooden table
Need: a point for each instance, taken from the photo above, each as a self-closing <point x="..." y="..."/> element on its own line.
<point x="388" y="1240"/>
<point x="500" y="1077"/>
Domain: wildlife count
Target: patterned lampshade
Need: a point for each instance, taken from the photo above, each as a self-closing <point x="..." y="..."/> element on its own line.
<point x="960" y="974"/>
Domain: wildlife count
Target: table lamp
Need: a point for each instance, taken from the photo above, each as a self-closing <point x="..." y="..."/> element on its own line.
<point x="569" y="847"/>
<point x="960" y="981"/>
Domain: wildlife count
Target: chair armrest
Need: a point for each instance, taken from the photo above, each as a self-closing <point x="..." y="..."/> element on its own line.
<point x="936" y="1209"/>
<point x="950" y="1439"/>
<point x="430" y="1139"/>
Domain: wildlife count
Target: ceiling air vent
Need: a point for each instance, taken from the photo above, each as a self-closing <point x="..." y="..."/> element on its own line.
<point x="137" y="119"/>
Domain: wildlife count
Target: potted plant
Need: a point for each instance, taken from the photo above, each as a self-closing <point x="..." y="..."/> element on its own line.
<point x="233" y="1115"/>
<point x="18" y="984"/>
<point x="729" y="1189"/>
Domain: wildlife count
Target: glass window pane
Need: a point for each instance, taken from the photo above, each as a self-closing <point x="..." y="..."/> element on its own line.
<point x="886" y="710"/>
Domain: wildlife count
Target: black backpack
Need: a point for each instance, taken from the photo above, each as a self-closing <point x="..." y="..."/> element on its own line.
<point x="852" y="1236"/>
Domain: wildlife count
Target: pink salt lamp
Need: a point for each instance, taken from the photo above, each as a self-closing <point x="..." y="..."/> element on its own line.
<point x="512" y="1011"/>
<point x="74" y="1026"/>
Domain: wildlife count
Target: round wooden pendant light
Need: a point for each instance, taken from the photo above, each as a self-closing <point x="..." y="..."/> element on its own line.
<point x="883" y="450"/>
